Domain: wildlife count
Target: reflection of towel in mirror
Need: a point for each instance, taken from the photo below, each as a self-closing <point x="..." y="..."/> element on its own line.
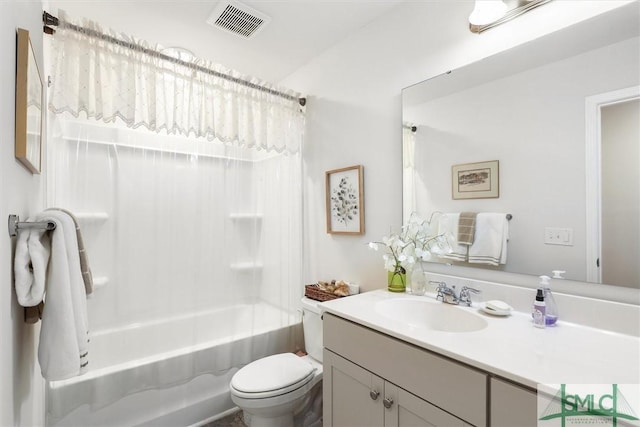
<point x="466" y="228"/>
<point x="448" y="227"/>
<point x="490" y="243"/>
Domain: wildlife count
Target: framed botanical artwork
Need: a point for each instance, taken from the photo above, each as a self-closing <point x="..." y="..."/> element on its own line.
<point x="29" y="100"/>
<point x="476" y="180"/>
<point x="345" y="200"/>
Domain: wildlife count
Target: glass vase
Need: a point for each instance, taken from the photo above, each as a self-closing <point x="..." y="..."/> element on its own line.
<point x="418" y="281"/>
<point x="397" y="279"/>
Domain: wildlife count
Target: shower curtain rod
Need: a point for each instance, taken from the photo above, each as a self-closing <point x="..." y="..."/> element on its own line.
<point x="50" y="20"/>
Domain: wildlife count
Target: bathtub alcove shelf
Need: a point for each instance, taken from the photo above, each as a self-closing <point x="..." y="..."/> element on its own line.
<point x="100" y="282"/>
<point x="246" y="225"/>
<point x="246" y="266"/>
<point x="245" y="216"/>
<point x="89" y="217"/>
<point x="92" y="219"/>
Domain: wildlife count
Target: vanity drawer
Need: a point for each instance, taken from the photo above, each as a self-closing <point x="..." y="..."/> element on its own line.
<point x="455" y="388"/>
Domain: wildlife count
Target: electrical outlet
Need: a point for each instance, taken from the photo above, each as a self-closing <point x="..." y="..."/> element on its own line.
<point x="558" y="236"/>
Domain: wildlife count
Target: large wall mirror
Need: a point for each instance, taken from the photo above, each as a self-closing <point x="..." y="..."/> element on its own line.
<point x="29" y="99"/>
<point x="526" y="108"/>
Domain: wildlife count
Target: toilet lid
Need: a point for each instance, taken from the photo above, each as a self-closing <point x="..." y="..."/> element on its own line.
<point x="280" y="372"/>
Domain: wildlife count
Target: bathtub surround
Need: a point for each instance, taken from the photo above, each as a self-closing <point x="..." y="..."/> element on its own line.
<point x="182" y="232"/>
<point x="164" y="373"/>
<point x="188" y="189"/>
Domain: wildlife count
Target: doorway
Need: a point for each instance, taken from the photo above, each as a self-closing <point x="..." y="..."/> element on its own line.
<point x="613" y="188"/>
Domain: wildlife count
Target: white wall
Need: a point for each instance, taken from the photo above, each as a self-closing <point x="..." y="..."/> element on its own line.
<point x="21" y="388"/>
<point x="354" y="112"/>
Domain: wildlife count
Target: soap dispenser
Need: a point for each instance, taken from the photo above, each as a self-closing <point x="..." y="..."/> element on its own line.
<point x="551" y="312"/>
<point x="539" y="310"/>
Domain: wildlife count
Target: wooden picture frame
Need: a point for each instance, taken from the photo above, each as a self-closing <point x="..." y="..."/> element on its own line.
<point x="476" y="180"/>
<point x="29" y="103"/>
<point x="345" y="200"/>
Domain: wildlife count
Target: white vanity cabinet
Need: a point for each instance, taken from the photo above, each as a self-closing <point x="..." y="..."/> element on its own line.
<point x="358" y="398"/>
<point x="351" y="394"/>
<point x="484" y="378"/>
<point x="416" y="387"/>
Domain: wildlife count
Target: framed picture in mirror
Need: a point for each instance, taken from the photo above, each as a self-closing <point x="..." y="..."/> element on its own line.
<point x="29" y="102"/>
<point x="345" y="200"/>
<point x="475" y="180"/>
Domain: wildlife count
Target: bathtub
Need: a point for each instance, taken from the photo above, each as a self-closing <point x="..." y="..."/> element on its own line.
<point x="179" y="377"/>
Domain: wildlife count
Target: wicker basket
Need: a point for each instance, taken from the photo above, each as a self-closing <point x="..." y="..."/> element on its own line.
<point x="314" y="292"/>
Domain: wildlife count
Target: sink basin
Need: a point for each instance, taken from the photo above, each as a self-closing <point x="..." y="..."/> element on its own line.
<point x="436" y="316"/>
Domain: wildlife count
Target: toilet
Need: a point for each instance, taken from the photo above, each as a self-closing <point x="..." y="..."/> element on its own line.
<point x="284" y="390"/>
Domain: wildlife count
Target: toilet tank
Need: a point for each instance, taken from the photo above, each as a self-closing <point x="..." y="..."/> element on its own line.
<point x="312" y="326"/>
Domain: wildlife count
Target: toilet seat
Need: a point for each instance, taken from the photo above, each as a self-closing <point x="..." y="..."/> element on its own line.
<point x="272" y="376"/>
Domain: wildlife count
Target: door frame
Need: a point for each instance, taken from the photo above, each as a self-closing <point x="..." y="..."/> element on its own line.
<point x="593" y="173"/>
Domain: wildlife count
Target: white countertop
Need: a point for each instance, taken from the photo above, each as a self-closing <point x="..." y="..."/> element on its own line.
<point x="510" y="346"/>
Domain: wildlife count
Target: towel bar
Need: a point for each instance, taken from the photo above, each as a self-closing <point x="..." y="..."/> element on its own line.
<point x="15" y="225"/>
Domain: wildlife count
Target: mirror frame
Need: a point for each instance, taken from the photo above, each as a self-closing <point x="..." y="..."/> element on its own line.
<point x="24" y="145"/>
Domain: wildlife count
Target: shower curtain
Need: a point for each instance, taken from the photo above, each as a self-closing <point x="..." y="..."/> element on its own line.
<point x="177" y="230"/>
<point x="187" y="185"/>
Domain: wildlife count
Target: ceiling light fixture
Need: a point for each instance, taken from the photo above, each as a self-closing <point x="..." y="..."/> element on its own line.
<point x="490" y="13"/>
<point x="487" y="11"/>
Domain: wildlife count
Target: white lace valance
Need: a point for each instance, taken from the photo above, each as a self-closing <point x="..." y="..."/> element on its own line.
<point x="108" y="81"/>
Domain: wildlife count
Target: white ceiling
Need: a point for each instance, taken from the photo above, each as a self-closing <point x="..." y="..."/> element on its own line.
<point x="298" y="31"/>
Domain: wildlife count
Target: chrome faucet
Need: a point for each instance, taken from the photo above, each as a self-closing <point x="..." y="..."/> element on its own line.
<point x="445" y="293"/>
<point x="448" y="295"/>
<point x="465" y="295"/>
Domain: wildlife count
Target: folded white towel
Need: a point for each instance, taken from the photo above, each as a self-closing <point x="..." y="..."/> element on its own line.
<point x="30" y="266"/>
<point x="64" y="339"/>
<point x="448" y="227"/>
<point x="490" y="242"/>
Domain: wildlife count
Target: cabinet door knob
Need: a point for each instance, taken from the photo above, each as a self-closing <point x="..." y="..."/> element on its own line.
<point x="387" y="402"/>
<point x="374" y="394"/>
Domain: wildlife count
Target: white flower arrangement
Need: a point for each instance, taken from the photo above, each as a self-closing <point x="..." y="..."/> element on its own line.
<point x="417" y="242"/>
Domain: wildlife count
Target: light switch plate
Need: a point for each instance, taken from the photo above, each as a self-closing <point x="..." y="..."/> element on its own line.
<point x="558" y="236"/>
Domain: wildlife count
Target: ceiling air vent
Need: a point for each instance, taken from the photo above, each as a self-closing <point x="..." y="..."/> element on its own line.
<point x="238" y="19"/>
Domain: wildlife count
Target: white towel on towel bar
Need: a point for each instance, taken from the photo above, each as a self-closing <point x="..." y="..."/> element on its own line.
<point x="490" y="242"/>
<point x="30" y="266"/>
<point x="64" y="338"/>
<point x="448" y="226"/>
